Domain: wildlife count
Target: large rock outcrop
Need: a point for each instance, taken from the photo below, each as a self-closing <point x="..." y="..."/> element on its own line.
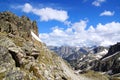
<point x="110" y="63"/>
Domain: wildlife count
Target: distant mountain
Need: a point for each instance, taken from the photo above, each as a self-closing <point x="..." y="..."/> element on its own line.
<point x="70" y="53"/>
<point x="63" y="51"/>
<point x="86" y="62"/>
<point x="80" y="57"/>
<point x="97" y="58"/>
<point x="113" y="49"/>
<point x="102" y="60"/>
<point x="110" y="63"/>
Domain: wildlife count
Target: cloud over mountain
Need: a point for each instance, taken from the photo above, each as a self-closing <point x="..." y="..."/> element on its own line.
<point x="77" y="35"/>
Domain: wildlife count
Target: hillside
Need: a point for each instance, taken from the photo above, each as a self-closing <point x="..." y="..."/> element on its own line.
<point x="24" y="57"/>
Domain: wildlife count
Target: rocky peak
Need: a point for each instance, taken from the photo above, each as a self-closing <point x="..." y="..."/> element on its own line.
<point x="113" y="49"/>
<point x="109" y="63"/>
<point x="19" y="26"/>
<point x="99" y="49"/>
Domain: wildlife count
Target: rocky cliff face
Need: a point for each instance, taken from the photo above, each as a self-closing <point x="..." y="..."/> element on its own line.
<point x="87" y="62"/>
<point x="19" y="26"/>
<point x="102" y="61"/>
<point x="113" y="49"/>
<point x="24" y="57"/>
<point x="110" y="63"/>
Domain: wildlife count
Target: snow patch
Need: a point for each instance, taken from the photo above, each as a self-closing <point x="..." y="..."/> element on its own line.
<point x="110" y="56"/>
<point x="35" y="36"/>
<point x="101" y="54"/>
<point x="119" y="58"/>
<point x="81" y="59"/>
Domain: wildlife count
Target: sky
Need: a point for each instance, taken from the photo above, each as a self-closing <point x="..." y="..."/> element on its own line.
<point x="73" y="22"/>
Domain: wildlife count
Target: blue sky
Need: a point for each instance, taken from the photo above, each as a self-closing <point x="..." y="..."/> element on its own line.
<point x="74" y="22"/>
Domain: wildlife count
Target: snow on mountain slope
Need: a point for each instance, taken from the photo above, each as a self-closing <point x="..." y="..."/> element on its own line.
<point x="35" y="36"/>
<point x="110" y="56"/>
<point x="101" y="54"/>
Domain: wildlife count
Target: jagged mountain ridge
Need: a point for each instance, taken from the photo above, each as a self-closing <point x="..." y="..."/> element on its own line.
<point x="110" y="63"/>
<point x="113" y="49"/>
<point x="87" y="62"/>
<point x="80" y="57"/>
<point x="104" y="60"/>
<point x="100" y="59"/>
<point x="70" y="53"/>
<point x="73" y="53"/>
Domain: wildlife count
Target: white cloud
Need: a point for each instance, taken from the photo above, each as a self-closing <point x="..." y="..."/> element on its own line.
<point x="68" y="23"/>
<point x="107" y="13"/>
<point x="27" y="8"/>
<point x="107" y="43"/>
<point x="47" y="13"/>
<point x="79" y="26"/>
<point x="76" y="35"/>
<point x="58" y="32"/>
<point x="98" y="2"/>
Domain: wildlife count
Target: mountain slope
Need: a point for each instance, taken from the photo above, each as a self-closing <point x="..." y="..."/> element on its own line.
<point x="24" y="57"/>
<point x="110" y="63"/>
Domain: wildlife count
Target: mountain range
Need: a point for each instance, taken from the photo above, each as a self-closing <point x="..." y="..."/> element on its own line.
<point x="72" y="53"/>
<point x="97" y="58"/>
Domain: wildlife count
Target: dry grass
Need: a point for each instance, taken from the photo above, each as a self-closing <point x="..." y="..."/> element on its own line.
<point x="115" y="78"/>
<point x="95" y="75"/>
